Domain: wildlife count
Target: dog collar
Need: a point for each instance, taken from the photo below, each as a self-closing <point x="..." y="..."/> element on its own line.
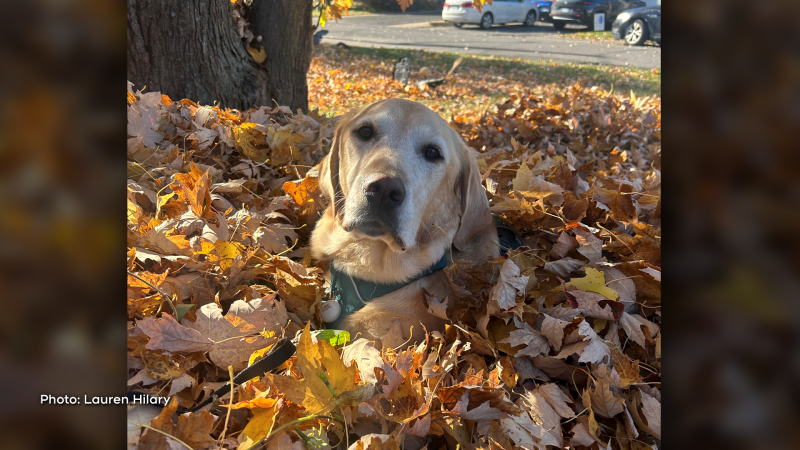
<point x="349" y="294"/>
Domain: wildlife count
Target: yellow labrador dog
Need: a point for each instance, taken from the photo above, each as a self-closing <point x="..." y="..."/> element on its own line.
<point x="406" y="200"/>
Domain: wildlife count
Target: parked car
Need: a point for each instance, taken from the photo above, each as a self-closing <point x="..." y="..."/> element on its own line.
<point x="460" y="12"/>
<point x="582" y="12"/>
<point x="638" y="25"/>
<point x="544" y="10"/>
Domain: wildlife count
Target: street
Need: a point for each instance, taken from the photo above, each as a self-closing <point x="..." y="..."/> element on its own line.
<point x="541" y="42"/>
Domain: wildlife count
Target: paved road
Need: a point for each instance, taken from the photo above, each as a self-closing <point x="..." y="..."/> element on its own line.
<point x="412" y="30"/>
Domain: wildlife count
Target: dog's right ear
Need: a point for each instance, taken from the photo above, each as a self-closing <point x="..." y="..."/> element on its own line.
<point x="329" y="168"/>
<point x="329" y="173"/>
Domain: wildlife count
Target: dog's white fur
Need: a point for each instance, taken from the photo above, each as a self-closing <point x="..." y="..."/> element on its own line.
<point x="444" y="205"/>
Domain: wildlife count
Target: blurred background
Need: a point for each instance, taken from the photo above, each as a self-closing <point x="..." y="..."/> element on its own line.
<point x="732" y="84"/>
<point x="62" y="171"/>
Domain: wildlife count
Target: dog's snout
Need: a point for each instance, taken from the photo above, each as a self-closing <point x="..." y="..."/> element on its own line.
<point x="384" y="192"/>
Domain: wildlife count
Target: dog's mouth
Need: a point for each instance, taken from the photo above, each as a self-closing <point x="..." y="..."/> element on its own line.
<point x="377" y="229"/>
<point x="371" y="228"/>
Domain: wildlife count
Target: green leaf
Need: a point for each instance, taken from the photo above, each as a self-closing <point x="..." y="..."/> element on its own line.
<point x="181" y="310"/>
<point x="334" y="337"/>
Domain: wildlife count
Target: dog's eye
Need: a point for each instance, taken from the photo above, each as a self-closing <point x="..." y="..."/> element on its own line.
<point x="365" y="132"/>
<point x="432" y="154"/>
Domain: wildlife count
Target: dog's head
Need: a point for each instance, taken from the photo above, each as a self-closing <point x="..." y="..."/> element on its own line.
<point x="399" y="174"/>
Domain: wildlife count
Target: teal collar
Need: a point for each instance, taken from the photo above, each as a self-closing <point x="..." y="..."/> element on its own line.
<point x="354" y="293"/>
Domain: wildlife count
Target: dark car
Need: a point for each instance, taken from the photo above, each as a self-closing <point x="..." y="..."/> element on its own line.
<point x="544" y="10"/>
<point x="638" y="25"/>
<point x="582" y="12"/>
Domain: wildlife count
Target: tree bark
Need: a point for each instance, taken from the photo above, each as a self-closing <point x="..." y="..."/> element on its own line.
<point x="191" y="49"/>
<point x="287" y="36"/>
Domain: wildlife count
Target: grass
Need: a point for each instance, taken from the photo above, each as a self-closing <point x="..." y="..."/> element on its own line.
<point x="586" y="34"/>
<point x="640" y="81"/>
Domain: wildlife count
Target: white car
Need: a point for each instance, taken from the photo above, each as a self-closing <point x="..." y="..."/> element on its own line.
<point x="459" y="12"/>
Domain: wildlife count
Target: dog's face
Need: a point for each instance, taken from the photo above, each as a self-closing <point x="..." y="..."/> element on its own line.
<point x="398" y="173"/>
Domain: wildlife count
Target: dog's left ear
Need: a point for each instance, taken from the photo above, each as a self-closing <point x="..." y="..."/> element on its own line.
<point x="475" y="214"/>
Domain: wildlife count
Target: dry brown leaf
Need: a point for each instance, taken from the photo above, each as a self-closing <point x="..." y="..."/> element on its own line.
<point x="236" y="333"/>
<point x="167" y="334"/>
<point x="604" y="402"/>
<point x="553" y="329"/>
<point x="509" y="284"/>
<point x="535" y="342"/>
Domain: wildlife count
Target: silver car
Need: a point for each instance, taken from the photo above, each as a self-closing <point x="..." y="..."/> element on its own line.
<point x="460" y="12"/>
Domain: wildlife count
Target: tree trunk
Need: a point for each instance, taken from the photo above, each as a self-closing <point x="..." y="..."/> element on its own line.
<point x="287" y="36"/>
<point x="191" y="49"/>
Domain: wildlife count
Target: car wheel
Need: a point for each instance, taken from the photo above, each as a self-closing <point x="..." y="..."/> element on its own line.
<point x="486" y="21"/>
<point x="458" y="25"/>
<point x="559" y="25"/>
<point x="636" y="33"/>
<point x="531" y="18"/>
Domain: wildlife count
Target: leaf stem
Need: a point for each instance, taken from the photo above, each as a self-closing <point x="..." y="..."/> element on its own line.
<point x="230" y="406"/>
<point x="164" y="295"/>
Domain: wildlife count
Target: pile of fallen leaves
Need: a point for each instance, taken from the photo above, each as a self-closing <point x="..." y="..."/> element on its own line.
<point x="339" y="80"/>
<point x="558" y="345"/>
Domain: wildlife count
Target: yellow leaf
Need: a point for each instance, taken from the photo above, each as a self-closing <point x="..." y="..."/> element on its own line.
<point x="227" y="251"/>
<point x="252" y="142"/>
<point x="319" y="362"/>
<point x="259" y="55"/>
<point x="293" y="388"/>
<point x="134" y="212"/>
<point x="207" y="248"/>
<point x="258" y="354"/>
<point x="198" y="195"/>
<point x="283" y="143"/>
<point x="262" y="422"/>
<point x="594" y="281"/>
<point x="256" y="403"/>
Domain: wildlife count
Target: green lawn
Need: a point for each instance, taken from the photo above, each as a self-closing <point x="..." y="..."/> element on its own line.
<point x="622" y="78"/>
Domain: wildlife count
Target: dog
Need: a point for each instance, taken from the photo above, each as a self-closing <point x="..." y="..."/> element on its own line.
<point x="405" y="193"/>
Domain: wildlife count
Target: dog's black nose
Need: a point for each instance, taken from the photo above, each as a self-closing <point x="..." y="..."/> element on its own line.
<point x="384" y="192"/>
